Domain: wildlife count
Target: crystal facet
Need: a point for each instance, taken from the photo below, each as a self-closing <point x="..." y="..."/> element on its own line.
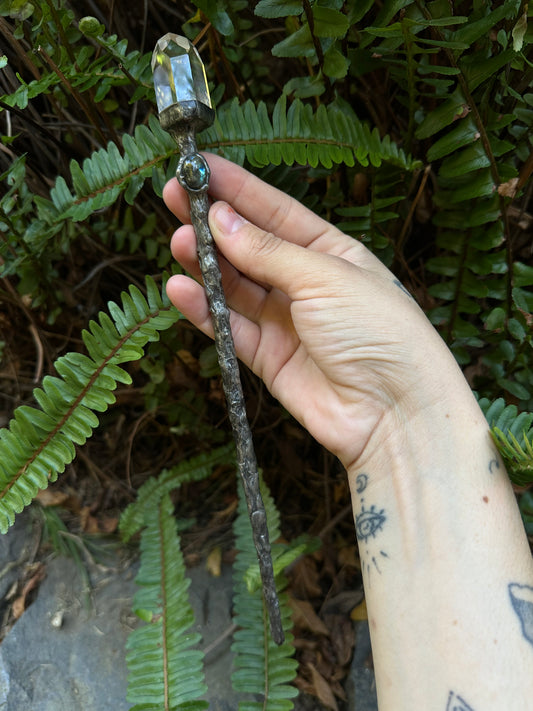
<point x="179" y="74"/>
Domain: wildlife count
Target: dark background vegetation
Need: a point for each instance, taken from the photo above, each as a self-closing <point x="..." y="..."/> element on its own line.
<point x="455" y="225"/>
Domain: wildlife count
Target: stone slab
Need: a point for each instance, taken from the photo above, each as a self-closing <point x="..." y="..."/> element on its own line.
<point x="67" y="650"/>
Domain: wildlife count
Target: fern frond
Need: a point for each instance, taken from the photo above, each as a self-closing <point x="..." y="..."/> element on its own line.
<point x="296" y="135"/>
<point x="518" y="457"/>
<point x="374" y="222"/>
<point x="101" y="178"/>
<point x="165" y="672"/>
<point x="482" y="121"/>
<point x="194" y="469"/>
<point x="293" y="135"/>
<point x="39" y="443"/>
<point x="513" y="435"/>
<point x="262" y="669"/>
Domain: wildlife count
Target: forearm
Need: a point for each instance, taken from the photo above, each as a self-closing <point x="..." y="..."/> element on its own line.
<point x="354" y="359"/>
<point x="443" y="551"/>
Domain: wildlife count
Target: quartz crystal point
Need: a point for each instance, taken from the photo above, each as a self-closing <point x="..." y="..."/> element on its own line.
<point x="179" y="74"/>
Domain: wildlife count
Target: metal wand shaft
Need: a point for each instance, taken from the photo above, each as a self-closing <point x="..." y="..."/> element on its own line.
<point x="184" y="108"/>
<point x="231" y="381"/>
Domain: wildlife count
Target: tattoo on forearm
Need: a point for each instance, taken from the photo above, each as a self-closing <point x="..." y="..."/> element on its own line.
<point x="522" y="602"/>
<point x="361" y="482"/>
<point x="494" y="464"/>
<point x="368" y="523"/>
<point x="374" y="562"/>
<point x="399" y="284"/>
<point x="457" y="703"/>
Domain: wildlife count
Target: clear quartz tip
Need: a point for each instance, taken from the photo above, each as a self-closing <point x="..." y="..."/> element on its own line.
<point x="179" y="75"/>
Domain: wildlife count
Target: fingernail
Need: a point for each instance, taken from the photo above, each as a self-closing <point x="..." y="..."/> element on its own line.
<point x="227" y="220"/>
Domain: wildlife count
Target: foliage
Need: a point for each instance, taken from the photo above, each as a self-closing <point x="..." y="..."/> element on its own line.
<point x="513" y="435"/>
<point x="194" y="469"/>
<point x="263" y="670"/>
<point x="165" y="672"/>
<point x="407" y="124"/>
<point x="164" y="662"/>
<point x="39" y="443"/>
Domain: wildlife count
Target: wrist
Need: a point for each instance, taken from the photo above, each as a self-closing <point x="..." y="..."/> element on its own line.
<point x="433" y="423"/>
<point x="436" y="476"/>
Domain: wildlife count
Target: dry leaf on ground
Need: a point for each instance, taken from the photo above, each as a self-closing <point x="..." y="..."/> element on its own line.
<point x="322" y="689"/>
<point x="304" y="617"/>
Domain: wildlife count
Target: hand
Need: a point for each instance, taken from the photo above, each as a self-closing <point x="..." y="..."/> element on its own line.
<point x="348" y="352"/>
<point x="325" y="325"/>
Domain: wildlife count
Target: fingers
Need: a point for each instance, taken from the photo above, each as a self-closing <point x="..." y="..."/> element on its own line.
<point x="267" y="259"/>
<point x="183" y="248"/>
<point x="272" y="211"/>
<point x="267" y="207"/>
<point x="190" y="299"/>
<point x="253" y="261"/>
<point x="237" y="288"/>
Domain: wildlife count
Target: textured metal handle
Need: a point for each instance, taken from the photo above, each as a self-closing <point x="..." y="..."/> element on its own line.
<point x="193" y="175"/>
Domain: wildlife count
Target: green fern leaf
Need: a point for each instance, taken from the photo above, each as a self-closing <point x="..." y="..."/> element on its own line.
<point x="331" y="135"/>
<point x="38" y="444"/>
<point x="513" y="435"/>
<point x="194" y="469"/>
<point x="261" y="667"/>
<point x="328" y="136"/>
<point x="518" y="456"/>
<point x="165" y="672"/>
<point x="107" y="173"/>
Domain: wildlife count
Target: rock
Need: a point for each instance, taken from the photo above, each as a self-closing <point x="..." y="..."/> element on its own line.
<point x="361" y="684"/>
<point x="67" y="650"/>
<point x="211" y="600"/>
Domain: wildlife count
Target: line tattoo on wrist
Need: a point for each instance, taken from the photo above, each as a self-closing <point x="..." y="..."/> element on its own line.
<point x="457" y="703"/>
<point x="361" y="482"/>
<point x="522" y="602"/>
<point x="399" y="284"/>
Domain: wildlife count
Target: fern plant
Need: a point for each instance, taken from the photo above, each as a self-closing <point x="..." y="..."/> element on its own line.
<point x="165" y="671"/>
<point x="294" y="135"/>
<point x="407" y="123"/>
<point x="513" y="435"/>
<point x="478" y="118"/>
<point x="263" y="670"/>
<point x="40" y="442"/>
<point x="164" y="661"/>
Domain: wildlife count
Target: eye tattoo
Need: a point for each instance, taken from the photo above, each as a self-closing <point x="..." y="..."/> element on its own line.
<point x="369" y="522"/>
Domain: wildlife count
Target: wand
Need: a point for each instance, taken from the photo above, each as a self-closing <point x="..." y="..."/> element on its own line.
<point x="184" y="108"/>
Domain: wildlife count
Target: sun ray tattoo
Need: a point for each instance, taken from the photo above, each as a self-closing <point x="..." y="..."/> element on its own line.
<point x="368" y="523"/>
<point x="399" y="284"/>
<point x="457" y="703"/>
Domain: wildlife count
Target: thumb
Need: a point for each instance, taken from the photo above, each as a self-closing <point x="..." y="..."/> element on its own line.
<point x="266" y="258"/>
